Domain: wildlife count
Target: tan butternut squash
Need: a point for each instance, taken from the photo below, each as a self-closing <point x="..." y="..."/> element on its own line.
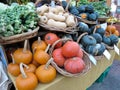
<point x="41" y="10"/>
<point x="60" y="8"/>
<point x="53" y="10"/>
<point x="51" y="15"/>
<point x="70" y="20"/>
<point x="66" y="14"/>
<point x="43" y="19"/>
<point x="58" y="24"/>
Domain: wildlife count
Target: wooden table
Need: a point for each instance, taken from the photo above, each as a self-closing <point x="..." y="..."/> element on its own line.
<point x="77" y="83"/>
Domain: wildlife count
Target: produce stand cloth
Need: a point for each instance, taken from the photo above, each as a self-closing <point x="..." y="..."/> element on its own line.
<point x="77" y="83"/>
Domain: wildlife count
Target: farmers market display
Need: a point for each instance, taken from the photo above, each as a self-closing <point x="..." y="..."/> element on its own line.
<point x="65" y="46"/>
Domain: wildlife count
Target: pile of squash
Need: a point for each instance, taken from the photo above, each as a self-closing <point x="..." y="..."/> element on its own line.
<point x="55" y="16"/>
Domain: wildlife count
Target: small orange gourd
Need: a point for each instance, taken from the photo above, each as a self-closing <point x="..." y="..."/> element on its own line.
<point x="30" y="68"/>
<point x="111" y="28"/>
<point x="23" y="55"/>
<point x="116" y="33"/>
<point x="26" y="80"/>
<point x="41" y="56"/>
<point x="35" y="63"/>
<point x="46" y="73"/>
<point x="13" y="68"/>
<point x="39" y="44"/>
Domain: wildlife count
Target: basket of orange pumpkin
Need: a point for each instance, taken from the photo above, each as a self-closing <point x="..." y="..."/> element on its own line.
<point x="69" y="59"/>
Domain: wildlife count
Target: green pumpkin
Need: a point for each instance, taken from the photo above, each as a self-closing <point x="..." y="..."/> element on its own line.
<point x="88" y="40"/>
<point x="89" y="8"/>
<point x="92" y="50"/>
<point x="92" y="17"/>
<point x="98" y="37"/>
<point x="107" y="40"/>
<point x="83" y="27"/>
<point x="114" y="39"/>
<point x="101" y="49"/>
<point x="101" y="31"/>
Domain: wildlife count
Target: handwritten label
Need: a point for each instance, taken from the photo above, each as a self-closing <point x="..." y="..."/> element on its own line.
<point x="116" y="49"/>
<point x="93" y="60"/>
<point x="107" y="54"/>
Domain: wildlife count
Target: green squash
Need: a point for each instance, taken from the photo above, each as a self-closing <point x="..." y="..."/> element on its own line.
<point x="107" y="40"/>
<point x="98" y="37"/>
<point x="114" y="39"/>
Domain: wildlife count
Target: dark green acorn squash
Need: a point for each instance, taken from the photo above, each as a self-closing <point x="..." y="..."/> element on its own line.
<point x="114" y="39"/>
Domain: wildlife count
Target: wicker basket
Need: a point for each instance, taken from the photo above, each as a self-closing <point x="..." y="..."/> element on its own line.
<point x="96" y="57"/>
<point x="62" y="70"/>
<point x="19" y="37"/>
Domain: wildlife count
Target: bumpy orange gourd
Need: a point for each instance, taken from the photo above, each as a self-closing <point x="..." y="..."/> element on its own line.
<point x="111" y="28"/>
<point x="70" y="49"/>
<point x="26" y="80"/>
<point x="80" y="53"/>
<point x="23" y="55"/>
<point x="39" y="44"/>
<point x="13" y="68"/>
<point x="45" y="74"/>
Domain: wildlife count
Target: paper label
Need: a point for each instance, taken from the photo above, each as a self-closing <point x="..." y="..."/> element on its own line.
<point x="107" y="54"/>
<point x="93" y="60"/>
<point x="104" y="26"/>
<point x="116" y="49"/>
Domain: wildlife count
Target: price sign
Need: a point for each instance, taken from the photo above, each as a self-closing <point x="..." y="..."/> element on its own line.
<point x="107" y="54"/>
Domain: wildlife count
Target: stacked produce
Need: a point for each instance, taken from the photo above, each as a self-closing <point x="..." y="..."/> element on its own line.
<point x="55" y="16"/>
<point x="17" y="19"/>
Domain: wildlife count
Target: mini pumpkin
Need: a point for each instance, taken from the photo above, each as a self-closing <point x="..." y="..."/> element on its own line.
<point x="39" y="44"/>
<point x="98" y="37"/>
<point x="74" y="65"/>
<point x="107" y="40"/>
<point x="111" y="28"/>
<point x="46" y="73"/>
<point x="26" y="80"/>
<point x="114" y="39"/>
<point x="116" y="33"/>
<point x="101" y="31"/>
<point x="13" y="68"/>
<point x="23" y="55"/>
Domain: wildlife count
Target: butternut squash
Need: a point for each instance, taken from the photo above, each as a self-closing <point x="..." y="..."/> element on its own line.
<point x="60" y="8"/>
<point x="53" y="10"/>
<point x="66" y="14"/>
<point x="43" y="19"/>
<point x="58" y="24"/>
<point x="51" y="15"/>
<point x="41" y="10"/>
<point x="70" y="20"/>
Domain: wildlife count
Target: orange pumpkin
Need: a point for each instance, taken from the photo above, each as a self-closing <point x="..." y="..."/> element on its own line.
<point x="35" y="63"/>
<point x="39" y="44"/>
<point x="45" y="73"/>
<point x="58" y="57"/>
<point x="30" y="68"/>
<point x="13" y="68"/>
<point x="23" y="55"/>
<point x="111" y="28"/>
<point x="70" y="49"/>
<point x="26" y="80"/>
<point x="74" y="65"/>
<point x="80" y="53"/>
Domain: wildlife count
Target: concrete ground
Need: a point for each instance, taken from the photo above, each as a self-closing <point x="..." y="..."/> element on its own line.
<point x="112" y="80"/>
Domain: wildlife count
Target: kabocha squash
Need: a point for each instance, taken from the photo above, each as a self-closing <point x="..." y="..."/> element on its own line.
<point x="58" y="57"/>
<point x="89" y="9"/>
<point x="26" y="80"/>
<point x="39" y="44"/>
<point x="114" y="39"/>
<point x="98" y="37"/>
<point x="64" y="4"/>
<point x="101" y="31"/>
<point x="88" y="40"/>
<point x="101" y="49"/>
<point x="81" y="9"/>
<point x="70" y="49"/>
<point x="107" y="40"/>
<point x="74" y="11"/>
<point x="83" y="27"/>
<point x="92" y="17"/>
<point x="41" y="56"/>
<point x="74" y="65"/>
<point x="13" y="68"/>
<point x="22" y="55"/>
<point x="45" y="73"/>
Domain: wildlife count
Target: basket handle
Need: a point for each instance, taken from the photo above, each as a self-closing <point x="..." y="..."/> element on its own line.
<point x="80" y="37"/>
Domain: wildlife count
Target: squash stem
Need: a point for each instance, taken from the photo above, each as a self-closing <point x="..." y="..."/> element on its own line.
<point x="39" y="39"/>
<point x="22" y="70"/>
<point x="25" y="46"/>
<point x="46" y="50"/>
<point x="13" y="61"/>
<point x="48" y="63"/>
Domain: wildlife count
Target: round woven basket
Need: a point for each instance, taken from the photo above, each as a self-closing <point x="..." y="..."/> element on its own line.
<point x="96" y="57"/>
<point x="62" y="70"/>
<point x="19" y="37"/>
